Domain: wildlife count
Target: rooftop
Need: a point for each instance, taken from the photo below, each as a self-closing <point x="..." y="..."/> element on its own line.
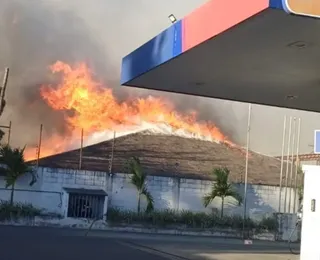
<point x="170" y="156"/>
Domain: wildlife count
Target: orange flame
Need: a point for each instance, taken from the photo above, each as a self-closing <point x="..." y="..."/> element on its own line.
<point x="95" y="109"/>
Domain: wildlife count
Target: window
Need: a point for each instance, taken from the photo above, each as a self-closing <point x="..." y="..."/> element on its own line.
<point x="84" y="204"/>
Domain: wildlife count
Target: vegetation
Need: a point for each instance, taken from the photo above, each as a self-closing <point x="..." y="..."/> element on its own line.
<point x="138" y="179"/>
<point x="10" y="211"/>
<point x="13" y="166"/>
<point x="221" y="188"/>
<point x="189" y="219"/>
<point x="300" y="186"/>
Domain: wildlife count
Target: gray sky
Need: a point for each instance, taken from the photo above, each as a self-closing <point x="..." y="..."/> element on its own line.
<point x="105" y="31"/>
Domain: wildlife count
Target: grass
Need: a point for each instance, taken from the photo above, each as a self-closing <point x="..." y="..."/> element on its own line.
<point x="159" y="219"/>
<point x="189" y="219"/>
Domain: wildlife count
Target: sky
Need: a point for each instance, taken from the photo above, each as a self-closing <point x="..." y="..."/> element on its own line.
<point x="101" y="32"/>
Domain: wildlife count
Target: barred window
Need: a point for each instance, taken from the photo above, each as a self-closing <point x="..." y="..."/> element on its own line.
<point x="85" y="204"/>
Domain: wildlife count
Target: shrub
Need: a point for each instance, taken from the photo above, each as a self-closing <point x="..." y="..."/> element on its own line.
<point x="189" y="219"/>
<point x="17" y="210"/>
<point x="268" y="224"/>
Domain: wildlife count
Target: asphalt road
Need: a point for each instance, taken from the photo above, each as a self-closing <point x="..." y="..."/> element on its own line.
<point x="58" y="244"/>
<point x="47" y="244"/>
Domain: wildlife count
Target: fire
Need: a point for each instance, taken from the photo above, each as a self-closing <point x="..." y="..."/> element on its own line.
<point x="94" y="109"/>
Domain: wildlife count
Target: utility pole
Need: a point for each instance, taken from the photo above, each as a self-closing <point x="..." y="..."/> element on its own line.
<point x="112" y="152"/>
<point x="39" y="145"/>
<point x="246" y="173"/>
<point x="297" y="167"/>
<point x="287" y="166"/>
<point x="3" y="102"/>
<point x="81" y="150"/>
<point x="292" y="162"/>
<point x="3" y="90"/>
<point x="282" y="157"/>
<point x="9" y="131"/>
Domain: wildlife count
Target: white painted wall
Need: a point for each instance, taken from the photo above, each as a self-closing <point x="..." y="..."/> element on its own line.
<point x="48" y="192"/>
<point x="168" y="193"/>
<point x="310" y="234"/>
<point x="261" y="199"/>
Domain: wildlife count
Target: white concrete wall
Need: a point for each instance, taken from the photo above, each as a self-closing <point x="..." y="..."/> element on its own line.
<point x="310" y="234"/>
<point x="187" y="195"/>
<point x="124" y="194"/>
<point x="168" y="193"/>
<point x="48" y="192"/>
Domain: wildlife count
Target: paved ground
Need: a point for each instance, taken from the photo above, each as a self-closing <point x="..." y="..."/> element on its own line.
<point x="46" y="244"/>
<point x="221" y="249"/>
<point x="55" y="244"/>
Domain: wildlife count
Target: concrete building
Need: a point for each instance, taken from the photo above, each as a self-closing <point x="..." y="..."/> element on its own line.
<point x="178" y="171"/>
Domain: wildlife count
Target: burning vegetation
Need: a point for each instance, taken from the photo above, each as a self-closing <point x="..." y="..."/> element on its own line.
<point x="91" y="107"/>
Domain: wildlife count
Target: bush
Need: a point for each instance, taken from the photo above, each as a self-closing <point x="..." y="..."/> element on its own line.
<point x="189" y="219"/>
<point x="268" y="223"/>
<point x="17" y="210"/>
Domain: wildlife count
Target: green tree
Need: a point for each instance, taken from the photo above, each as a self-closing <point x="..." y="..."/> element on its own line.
<point x="221" y="188"/>
<point x="13" y="166"/>
<point x="138" y="179"/>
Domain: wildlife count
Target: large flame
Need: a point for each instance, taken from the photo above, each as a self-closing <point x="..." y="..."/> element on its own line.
<point x="95" y="109"/>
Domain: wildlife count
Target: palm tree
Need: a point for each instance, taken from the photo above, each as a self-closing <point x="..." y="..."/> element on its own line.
<point x="13" y="166"/>
<point x="138" y="179"/>
<point x="221" y="188"/>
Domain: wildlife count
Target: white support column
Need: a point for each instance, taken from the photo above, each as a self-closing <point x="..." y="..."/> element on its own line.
<point x="65" y="202"/>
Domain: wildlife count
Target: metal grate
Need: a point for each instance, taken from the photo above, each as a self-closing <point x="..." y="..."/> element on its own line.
<point x="85" y="206"/>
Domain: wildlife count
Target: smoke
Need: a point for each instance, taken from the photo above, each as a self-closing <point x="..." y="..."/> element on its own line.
<point x="36" y="33"/>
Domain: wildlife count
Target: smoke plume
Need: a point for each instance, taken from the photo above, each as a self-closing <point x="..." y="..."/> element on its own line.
<point x="36" y="33"/>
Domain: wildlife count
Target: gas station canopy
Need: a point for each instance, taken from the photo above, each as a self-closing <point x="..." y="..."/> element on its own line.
<point x="258" y="51"/>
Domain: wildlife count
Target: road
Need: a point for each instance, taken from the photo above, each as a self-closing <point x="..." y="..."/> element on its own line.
<point x="70" y="244"/>
<point x="48" y="244"/>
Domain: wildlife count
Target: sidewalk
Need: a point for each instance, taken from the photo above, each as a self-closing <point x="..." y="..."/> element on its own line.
<point x="217" y="250"/>
<point x="203" y="248"/>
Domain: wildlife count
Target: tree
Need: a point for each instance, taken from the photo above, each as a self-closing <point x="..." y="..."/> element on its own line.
<point x="221" y="188"/>
<point x="138" y="179"/>
<point x="13" y="166"/>
<point x="300" y="173"/>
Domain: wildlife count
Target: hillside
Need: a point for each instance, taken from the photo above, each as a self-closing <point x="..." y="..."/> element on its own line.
<point x="166" y="155"/>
